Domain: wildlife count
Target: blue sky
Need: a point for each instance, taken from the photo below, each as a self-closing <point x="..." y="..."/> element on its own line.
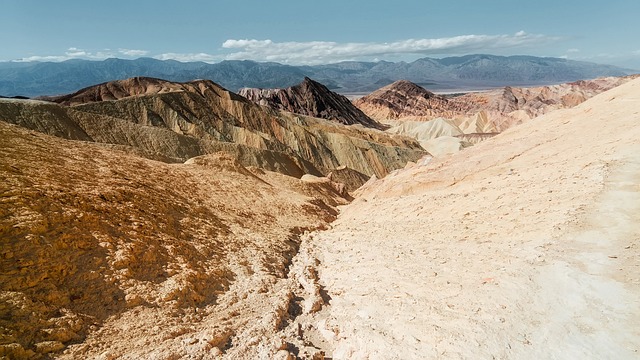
<point x="312" y="32"/>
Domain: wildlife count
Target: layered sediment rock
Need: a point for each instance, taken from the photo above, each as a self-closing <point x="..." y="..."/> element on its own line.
<point x="176" y="121"/>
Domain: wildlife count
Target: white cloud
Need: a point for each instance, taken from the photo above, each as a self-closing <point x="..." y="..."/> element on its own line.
<point x="570" y="51"/>
<point x="132" y="52"/>
<point x="77" y="53"/>
<point x="315" y="52"/>
<point x="189" y="57"/>
<point x="322" y="52"/>
<point x="52" y="58"/>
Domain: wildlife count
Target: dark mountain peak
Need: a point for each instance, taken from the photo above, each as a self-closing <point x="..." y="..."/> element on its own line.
<point x="311" y="85"/>
<point x="311" y="98"/>
<point x="406" y="88"/>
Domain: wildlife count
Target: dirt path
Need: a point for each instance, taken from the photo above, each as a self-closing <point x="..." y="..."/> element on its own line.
<point x="529" y="248"/>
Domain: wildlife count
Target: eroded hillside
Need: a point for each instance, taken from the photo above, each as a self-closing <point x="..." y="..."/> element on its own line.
<point x="447" y="124"/>
<point x="130" y="257"/>
<point x="176" y="121"/>
<point x="524" y="246"/>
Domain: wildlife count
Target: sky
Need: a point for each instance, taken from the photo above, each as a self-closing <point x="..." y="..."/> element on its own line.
<point x="317" y="32"/>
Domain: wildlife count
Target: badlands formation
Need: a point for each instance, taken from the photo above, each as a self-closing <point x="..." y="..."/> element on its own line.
<point x="313" y="99"/>
<point x="173" y="122"/>
<point x="445" y="124"/>
<point x="149" y="219"/>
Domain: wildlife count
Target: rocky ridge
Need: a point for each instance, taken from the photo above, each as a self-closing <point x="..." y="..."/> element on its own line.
<point x="312" y="99"/>
<point x="503" y="107"/>
<point x="115" y="90"/>
<point x="176" y="121"/>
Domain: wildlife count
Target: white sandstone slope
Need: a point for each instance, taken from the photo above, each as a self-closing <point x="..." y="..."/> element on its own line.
<point x="525" y="247"/>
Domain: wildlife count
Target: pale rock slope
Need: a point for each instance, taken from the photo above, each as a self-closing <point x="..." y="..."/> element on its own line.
<point x="526" y="247"/>
<point x="438" y="136"/>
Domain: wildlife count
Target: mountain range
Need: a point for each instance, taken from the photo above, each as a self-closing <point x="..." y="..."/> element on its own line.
<point x="452" y="73"/>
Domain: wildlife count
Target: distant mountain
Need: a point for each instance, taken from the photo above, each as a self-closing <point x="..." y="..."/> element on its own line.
<point x="312" y="99"/>
<point x="47" y="78"/>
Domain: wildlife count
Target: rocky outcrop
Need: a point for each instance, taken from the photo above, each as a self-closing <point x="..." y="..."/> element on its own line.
<point x="177" y="121"/>
<point x="312" y="99"/>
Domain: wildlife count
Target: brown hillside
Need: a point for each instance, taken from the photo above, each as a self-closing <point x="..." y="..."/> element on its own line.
<point x="505" y="107"/>
<point x="174" y="122"/>
<point x="97" y="243"/>
<point x="402" y="99"/>
<point x="312" y="99"/>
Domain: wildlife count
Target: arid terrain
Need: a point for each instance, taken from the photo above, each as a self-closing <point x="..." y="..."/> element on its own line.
<point x="525" y="246"/>
<point x="160" y="220"/>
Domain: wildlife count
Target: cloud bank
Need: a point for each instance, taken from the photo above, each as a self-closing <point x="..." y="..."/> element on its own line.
<point x="189" y="57"/>
<point x="76" y="53"/>
<point x="317" y="52"/>
<point x="323" y="52"/>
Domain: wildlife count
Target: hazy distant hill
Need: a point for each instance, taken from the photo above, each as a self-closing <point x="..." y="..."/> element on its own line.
<point x="47" y="78"/>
